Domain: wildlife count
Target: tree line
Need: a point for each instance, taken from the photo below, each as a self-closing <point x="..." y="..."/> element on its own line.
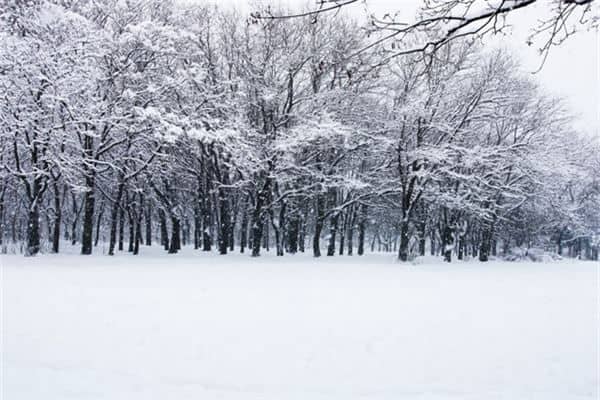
<point x="151" y="122"/>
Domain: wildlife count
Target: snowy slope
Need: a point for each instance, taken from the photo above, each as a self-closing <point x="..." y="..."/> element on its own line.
<point x="197" y="326"/>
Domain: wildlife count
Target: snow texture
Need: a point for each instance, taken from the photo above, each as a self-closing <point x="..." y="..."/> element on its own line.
<point x="198" y="326"/>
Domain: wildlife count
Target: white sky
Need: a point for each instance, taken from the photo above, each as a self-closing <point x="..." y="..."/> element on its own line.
<point x="571" y="71"/>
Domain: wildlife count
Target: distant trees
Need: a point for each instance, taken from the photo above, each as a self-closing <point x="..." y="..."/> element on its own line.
<point x="153" y="123"/>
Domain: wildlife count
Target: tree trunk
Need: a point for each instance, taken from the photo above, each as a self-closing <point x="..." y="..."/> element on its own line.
<point x="293" y="233"/>
<point x="33" y="229"/>
<point x="279" y="231"/>
<point x="148" y="220"/>
<point x="76" y="211"/>
<point x="88" y="216"/>
<point x="361" y="230"/>
<point x="332" y="233"/>
<point x="175" y="245"/>
<point x="559" y="242"/>
<point x="206" y="220"/>
<point x="319" y="217"/>
<point x="484" y="246"/>
<point x="138" y="230"/>
<point x="421" y="233"/>
<point x="2" y="222"/>
<point x="244" y="229"/>
<point x="461" y="246"/>
<point x="257" y="219"/>
<point x="224" y="222"/>
<point x="404" y="241"/>
<point x="266" y="237"/>
<point x="302" y="235"/>
<point x="98" y="223"/>
<point x="448" y="243"/>
<point x="343" y="231"/>
<point x="197" y="228"/>
<point x="130" y="214"/>
<point x="164" y="233"/>
<point x="351" y="239"/>
<point x="121" y="226"/>
<point x="57" y="220"/>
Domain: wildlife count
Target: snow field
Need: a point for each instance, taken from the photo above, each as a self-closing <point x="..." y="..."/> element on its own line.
<point x="198" y="326"/>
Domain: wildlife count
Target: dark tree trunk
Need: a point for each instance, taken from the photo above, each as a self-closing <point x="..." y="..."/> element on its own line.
<point x="197" y="228"/>
<point x="486" y="242"/>
<point x="13" y="228"/>
<point x="185" y="237"/>
<point x="121" y="227"/>
<point x="343" y="230"/>
<point x="319" y="217"/>
<point x="2" y="221"/>
<point x="206" y="219"/>
<point x="461" y="247"/>
<point x="257" y="218"/>
<point x="266" y="237"/>
<point x="244" y="229"/>
<point x="361" y="230"/>
<point x="333" y="227"/>
<point x="148" y="220"/>
<point x="421" y="232"/>
<point x="88" y="215"/>
<point x="448" y="243"/>
<point x="175" y="245"/>
<point x="206" y="227"/>
<point x="316" y="239"/>
<point x="302" y="235"/>
<point x="98" y="223"/>
<point x="293" y="233"/>
<point x="234" y="211"/>
<point x="278" y="227"/>
<point x="57" y="220"/>
<point x="138" y="230"/>
<point x="224" y="222"/>
<point x="559" y="242"/>
<point x="404" y="241"/>
<point x="257" y="234"/>
<point x="164" y="233"/>
<point x="76" y="211"/>
<point x="130" y="213"/>
<point x="351" y="239"/>
<point x="33" y="230"/>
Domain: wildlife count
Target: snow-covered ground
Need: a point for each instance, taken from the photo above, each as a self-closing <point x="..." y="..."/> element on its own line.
<point x="198" y="326"/>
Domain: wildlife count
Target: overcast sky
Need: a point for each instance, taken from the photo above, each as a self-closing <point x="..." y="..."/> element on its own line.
<point x="571" y="71"/>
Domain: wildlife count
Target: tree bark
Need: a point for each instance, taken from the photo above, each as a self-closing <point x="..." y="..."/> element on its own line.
<point x="148" y="220"/>
<point x="333" y="227"/>
<point x="164" y="233"/>
<point x="88" y="217"/>
<point x="57" y="220"/>
<point x="244" y="229"/>
<point x="175" y="245"/>
<point x="33" y="230"/>
<point x="293" y="233"/>
<point x="257" y="218"/>
<point x="224" y="222"/>
<point x="362" y="229"/>
<point x="319" y="216"/>
<point x="121" y="226"/>
<point x="98" y="223"/>
<point x="404" y="241"/>
<point x="448" y="243"/>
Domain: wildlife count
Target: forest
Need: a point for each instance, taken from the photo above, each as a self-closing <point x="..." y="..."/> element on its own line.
<point x="164" y="123"/>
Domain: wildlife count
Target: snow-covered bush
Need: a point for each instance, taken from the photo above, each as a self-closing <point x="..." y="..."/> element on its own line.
<point x="530" y="254"/>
